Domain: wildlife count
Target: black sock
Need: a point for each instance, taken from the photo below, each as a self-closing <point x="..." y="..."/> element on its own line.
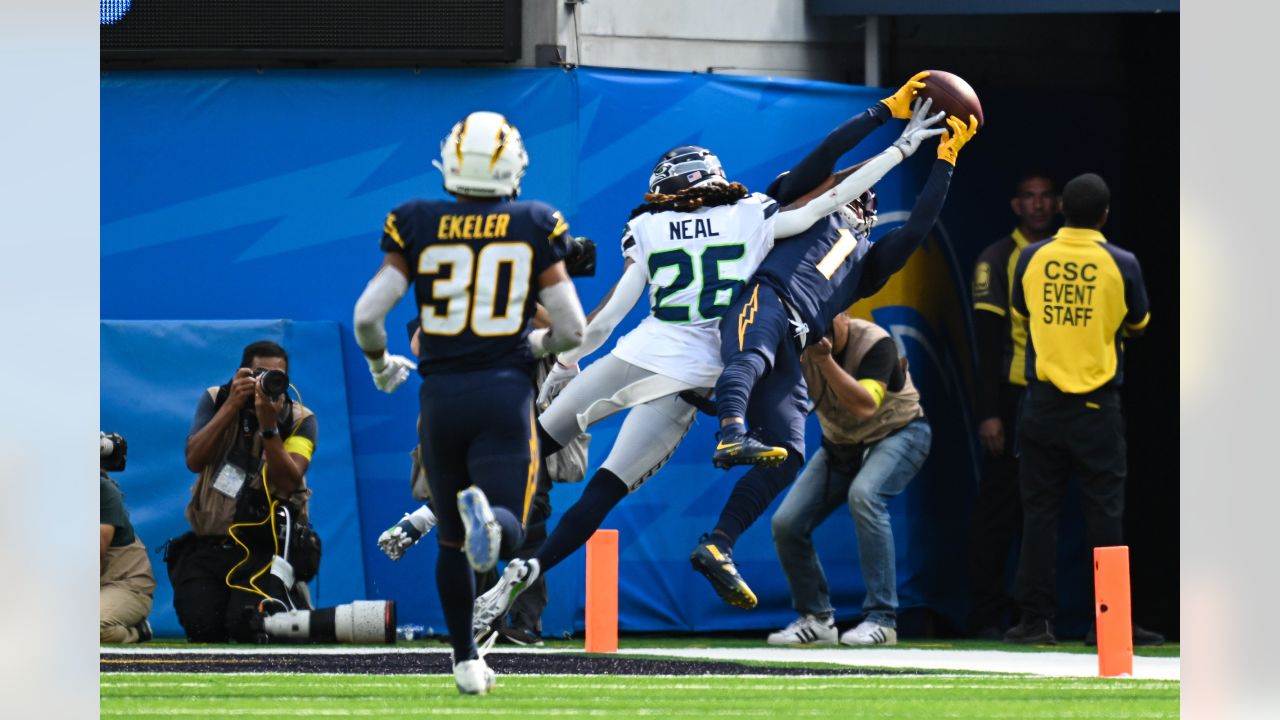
<point x="456" y="585"/>
<point x="582" y="520"/>
<point x="733" y="389"/>
<point x="546" y="443"/>
<point x="512" y="532"/>
<point x="752" y="495"/>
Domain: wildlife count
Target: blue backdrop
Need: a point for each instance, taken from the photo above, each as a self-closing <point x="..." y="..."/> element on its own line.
<point x="242" y="195"/>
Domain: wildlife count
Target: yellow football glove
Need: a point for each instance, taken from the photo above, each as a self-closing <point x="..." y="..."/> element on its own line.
<point x="899" y="103"/>
<point x="955" y="138"/>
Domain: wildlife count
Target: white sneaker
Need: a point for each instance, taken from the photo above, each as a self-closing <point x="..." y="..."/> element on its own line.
<point x="516" y="578"/>
<point x="869" y="633"/>
<point x="474" y="677"/>
<point x="806" y="630"/>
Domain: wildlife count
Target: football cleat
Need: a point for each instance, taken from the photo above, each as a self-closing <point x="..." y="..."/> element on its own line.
<point x="738" y="448"/>
<point x="483" y="533"/>
<point x="806" y="630"/>
<point x="494" y="604"/>
<point x="869" y="633"/>
<point x="474" y="677"/>
<point x="715" y="563"/>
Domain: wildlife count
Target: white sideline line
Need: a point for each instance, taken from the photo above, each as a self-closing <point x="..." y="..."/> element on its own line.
<point x="1047" y="664"/>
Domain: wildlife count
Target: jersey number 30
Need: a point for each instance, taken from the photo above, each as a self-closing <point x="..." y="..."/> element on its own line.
<point x="469" y="288"/>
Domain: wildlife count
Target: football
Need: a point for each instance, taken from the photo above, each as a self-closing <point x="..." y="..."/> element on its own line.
<point x="950" y="92"/>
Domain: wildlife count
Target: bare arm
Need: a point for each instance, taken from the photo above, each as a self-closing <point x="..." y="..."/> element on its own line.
<point x="851" y="394"/>
<point x="203" y="445"/>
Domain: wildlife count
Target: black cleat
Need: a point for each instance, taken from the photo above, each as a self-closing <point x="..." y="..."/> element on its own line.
<point x="1031" y="632"/>
<point x="737" y="448"/>
<point x="715" y="563"/>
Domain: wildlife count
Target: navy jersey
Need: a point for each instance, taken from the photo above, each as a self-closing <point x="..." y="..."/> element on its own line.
<point x="474" y="270"/>
<point x="818" y="271"/>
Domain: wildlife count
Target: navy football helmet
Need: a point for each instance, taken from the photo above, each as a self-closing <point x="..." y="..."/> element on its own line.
<point x="685" y="167"/>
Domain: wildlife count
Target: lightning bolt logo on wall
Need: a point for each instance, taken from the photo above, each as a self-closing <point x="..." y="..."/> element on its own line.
<point x="925" y="309"/>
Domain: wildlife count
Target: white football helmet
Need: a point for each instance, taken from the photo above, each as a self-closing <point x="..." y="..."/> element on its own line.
<point x="483" y="156"/>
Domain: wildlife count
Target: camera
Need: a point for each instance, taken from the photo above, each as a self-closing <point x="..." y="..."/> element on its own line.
<point x="112" y="447"/>
<point x="272" y="382"/>
<point x="580" y="261"/>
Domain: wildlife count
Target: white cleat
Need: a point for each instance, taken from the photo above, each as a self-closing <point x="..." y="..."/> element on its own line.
<point x="474" y="677"/>
<point x="483" y="533"/>
<point x="495" y="603"/>
<point x="869" y="633"/>
<point x="806" y="630"/>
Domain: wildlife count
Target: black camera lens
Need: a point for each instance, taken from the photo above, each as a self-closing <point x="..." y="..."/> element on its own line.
<point x="274" y="382"/>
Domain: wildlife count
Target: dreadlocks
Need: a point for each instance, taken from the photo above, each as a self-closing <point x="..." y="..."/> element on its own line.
<point x="691" y="199"/>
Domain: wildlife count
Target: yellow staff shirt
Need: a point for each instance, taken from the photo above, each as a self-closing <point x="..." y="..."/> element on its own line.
<point x="1078" y="293"/>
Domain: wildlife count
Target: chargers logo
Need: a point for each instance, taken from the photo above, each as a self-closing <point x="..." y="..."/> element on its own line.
<point x="112" y="10"/>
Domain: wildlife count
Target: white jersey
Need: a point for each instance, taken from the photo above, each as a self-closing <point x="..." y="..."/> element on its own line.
<point x="697" y="263"/>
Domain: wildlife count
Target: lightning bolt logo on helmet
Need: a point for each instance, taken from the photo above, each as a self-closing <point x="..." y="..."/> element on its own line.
<point x="483" y="156"/>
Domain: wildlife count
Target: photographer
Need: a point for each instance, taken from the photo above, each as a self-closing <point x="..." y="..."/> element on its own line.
<point x="125" y="581"/>
<point x="250" y="445"/>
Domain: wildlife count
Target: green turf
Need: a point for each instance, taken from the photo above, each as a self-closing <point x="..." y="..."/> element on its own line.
<point x="135" y="695"/>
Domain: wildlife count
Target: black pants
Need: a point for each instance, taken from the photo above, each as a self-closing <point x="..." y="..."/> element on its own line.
<point x="526" y="610"/>
<point x="1063" y="435"/>
<point x="209" y="610"/>
<point x="996" y="524"/>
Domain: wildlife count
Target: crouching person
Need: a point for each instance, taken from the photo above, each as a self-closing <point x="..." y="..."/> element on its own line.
<point x="874" y="440"/>
<point x="125" y="581"/>
<point x="241" y="573"/>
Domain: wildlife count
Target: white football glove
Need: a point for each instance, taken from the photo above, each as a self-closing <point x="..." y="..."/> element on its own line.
<point x="389" y="371"/>
<point x="918" y="127"/>
<point x="559" y="376"/>
<point x="398" y="538"/>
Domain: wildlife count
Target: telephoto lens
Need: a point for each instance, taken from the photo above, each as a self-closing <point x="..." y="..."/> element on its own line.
<point x="274" y="382"/>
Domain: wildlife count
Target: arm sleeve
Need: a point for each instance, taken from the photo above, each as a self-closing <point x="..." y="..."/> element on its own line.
<point x="818" y="164"/>
<point x="990" y="330"/>
<point x="568" y="322"/>
<point x="204" y="413"/>
<point x="370" y="314"/>
<point x="789" y="223"/>
<point x="881" y="364"/>
<point x="624" y="297"/>
<point x="1135" y="298"/>
<point x="891" y="252"/>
